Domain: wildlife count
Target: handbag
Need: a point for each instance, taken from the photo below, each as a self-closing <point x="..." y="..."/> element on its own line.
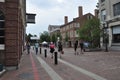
<point x="62" y="52"/>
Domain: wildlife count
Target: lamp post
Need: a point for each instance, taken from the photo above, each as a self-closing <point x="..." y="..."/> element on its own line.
<point x="105" y="36"/>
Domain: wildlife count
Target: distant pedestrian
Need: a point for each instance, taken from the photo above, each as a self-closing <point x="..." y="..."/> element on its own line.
<point x="52" y="49"/>
<point x="60" y="48"/>
<point x="28" y="48"/>
<point x="36" y="47"/>
<point x="75" y="47"/>
<point x="81" y="46"/>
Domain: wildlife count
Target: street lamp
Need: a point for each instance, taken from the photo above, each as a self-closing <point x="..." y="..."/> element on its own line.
<point x="105" y="36"/>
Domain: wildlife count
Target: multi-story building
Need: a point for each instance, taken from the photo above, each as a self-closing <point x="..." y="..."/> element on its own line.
<point x="53" y="29"/>
<point x="109" y="14"/>
<point x="69" y="29"/>
<point x="12" y="31"/>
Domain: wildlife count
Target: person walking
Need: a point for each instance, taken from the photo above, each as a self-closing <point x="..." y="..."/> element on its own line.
<point x="36" y="47"/>
<point x="81" y="46"/>
<point x="75" y="47"/>
<point x="52" y="49"/>
<point x="60" y="48"/>
<point x="28" y="48"/>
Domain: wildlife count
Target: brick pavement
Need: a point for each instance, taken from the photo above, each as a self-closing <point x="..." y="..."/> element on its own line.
<point x="26" y="70"/>
<point x="105" y="64"/>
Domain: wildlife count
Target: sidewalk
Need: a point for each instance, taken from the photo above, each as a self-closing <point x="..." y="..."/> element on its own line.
<point x="29" y="69"/>
<point x="104" y="64"/>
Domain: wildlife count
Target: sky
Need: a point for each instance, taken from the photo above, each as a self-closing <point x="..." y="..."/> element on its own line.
<point x="52" y="12"/>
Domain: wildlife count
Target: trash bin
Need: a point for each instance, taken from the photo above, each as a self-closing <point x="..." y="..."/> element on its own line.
<point x="1" y="67"/>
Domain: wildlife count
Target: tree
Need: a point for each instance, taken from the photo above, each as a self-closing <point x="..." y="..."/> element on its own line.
<point x="59" y="35"/>
<point x="45" y="36"/>
<point x="28" y="37"/>
<point x="54" y="38"/>
<point x="90" y="32"/>
<point x="66" y="37"/>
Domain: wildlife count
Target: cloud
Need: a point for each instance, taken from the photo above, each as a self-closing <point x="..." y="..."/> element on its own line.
<point x="53" y="12"/>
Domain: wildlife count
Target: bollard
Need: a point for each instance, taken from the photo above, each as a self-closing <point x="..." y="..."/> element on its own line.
<point x="40" y="50"/>
<point x="45" y="53"/>
<point x="55" y="58"/>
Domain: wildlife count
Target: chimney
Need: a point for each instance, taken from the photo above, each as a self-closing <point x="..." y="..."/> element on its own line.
<point x="80" y="11"/>
<point x="96" y="13"/>
<point x="66" y="19"/>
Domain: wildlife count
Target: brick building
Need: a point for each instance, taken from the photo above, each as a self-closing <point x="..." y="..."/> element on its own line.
<point x="12" y="31"/>
<point x="69" y="29"/>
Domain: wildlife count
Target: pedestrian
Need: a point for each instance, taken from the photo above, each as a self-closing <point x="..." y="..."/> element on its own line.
<point x="28" y="47"/>
<point x="52" y="49"/>
<point x="75" y="47"/>
<point x="81" y="46"/>
<point x="60" y="48"/>
<point x="36" y="47"/>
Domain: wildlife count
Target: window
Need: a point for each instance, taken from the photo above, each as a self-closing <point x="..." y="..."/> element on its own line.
<point x="2" y="33"/>
<point x="116" y="9"/>
<point x="2" y="0"/>
<point x="116" y="34"/>
<point x="103" y="15"/>
<point x="102" y="1"/>
<point x="89" y="17"/>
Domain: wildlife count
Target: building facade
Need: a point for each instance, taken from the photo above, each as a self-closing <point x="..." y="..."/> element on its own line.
<point x="12" y="31"/>
<point x="109" y="14"/>
<point x="54" y="30"/>
<point x="69" y="29"/>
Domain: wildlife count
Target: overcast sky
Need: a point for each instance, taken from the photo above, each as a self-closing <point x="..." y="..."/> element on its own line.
<point x="52" y="12"/>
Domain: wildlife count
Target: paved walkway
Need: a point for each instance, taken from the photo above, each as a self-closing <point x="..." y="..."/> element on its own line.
<point x="87" y="66"/>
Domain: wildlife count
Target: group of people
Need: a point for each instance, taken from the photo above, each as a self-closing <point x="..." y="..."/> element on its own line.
<point x="28" y="47"/>
<point x="76" y="44"/>
<point x="60" y="48"/>
<point x="52" y="49"/>
<point x="51" y="46"/>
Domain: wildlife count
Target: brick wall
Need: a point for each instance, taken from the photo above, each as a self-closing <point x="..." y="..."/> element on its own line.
<point x="13" y="36"/>
<point x="14" y="32"/>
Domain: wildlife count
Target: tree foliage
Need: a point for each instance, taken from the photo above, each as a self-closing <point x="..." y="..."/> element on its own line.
<point x="90" y="32"/>
<point x="54" y="38"/>
<point x="45" y="36"/>
<point x="66" y="37"/>
<point x="28" y="37"/>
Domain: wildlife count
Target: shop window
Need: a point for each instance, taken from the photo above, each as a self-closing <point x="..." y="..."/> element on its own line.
<point x="116" y="34"/>
<point x="116" y="38"/>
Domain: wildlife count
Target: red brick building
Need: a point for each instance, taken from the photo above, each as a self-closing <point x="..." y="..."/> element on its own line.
<point x="69" y="29"/>
<point x="12" y="31"/>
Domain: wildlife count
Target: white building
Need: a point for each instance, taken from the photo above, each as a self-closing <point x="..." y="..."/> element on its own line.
<point x="109" y="14"/>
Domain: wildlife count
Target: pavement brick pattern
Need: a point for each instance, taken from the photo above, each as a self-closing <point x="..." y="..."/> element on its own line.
<point x="104" y="64"/>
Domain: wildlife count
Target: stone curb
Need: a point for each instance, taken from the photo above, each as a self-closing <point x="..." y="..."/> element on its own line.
<point x="2" y="72"/>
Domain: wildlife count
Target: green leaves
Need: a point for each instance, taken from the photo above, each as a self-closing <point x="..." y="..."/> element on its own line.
<point x="90" y="31"/>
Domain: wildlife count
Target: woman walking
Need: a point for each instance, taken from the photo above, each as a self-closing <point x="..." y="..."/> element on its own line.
<point x="75" y="47"/>
<point x="81" y="46"/>
<point x="52" y="49"/>
<point x="60" y="48"/>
